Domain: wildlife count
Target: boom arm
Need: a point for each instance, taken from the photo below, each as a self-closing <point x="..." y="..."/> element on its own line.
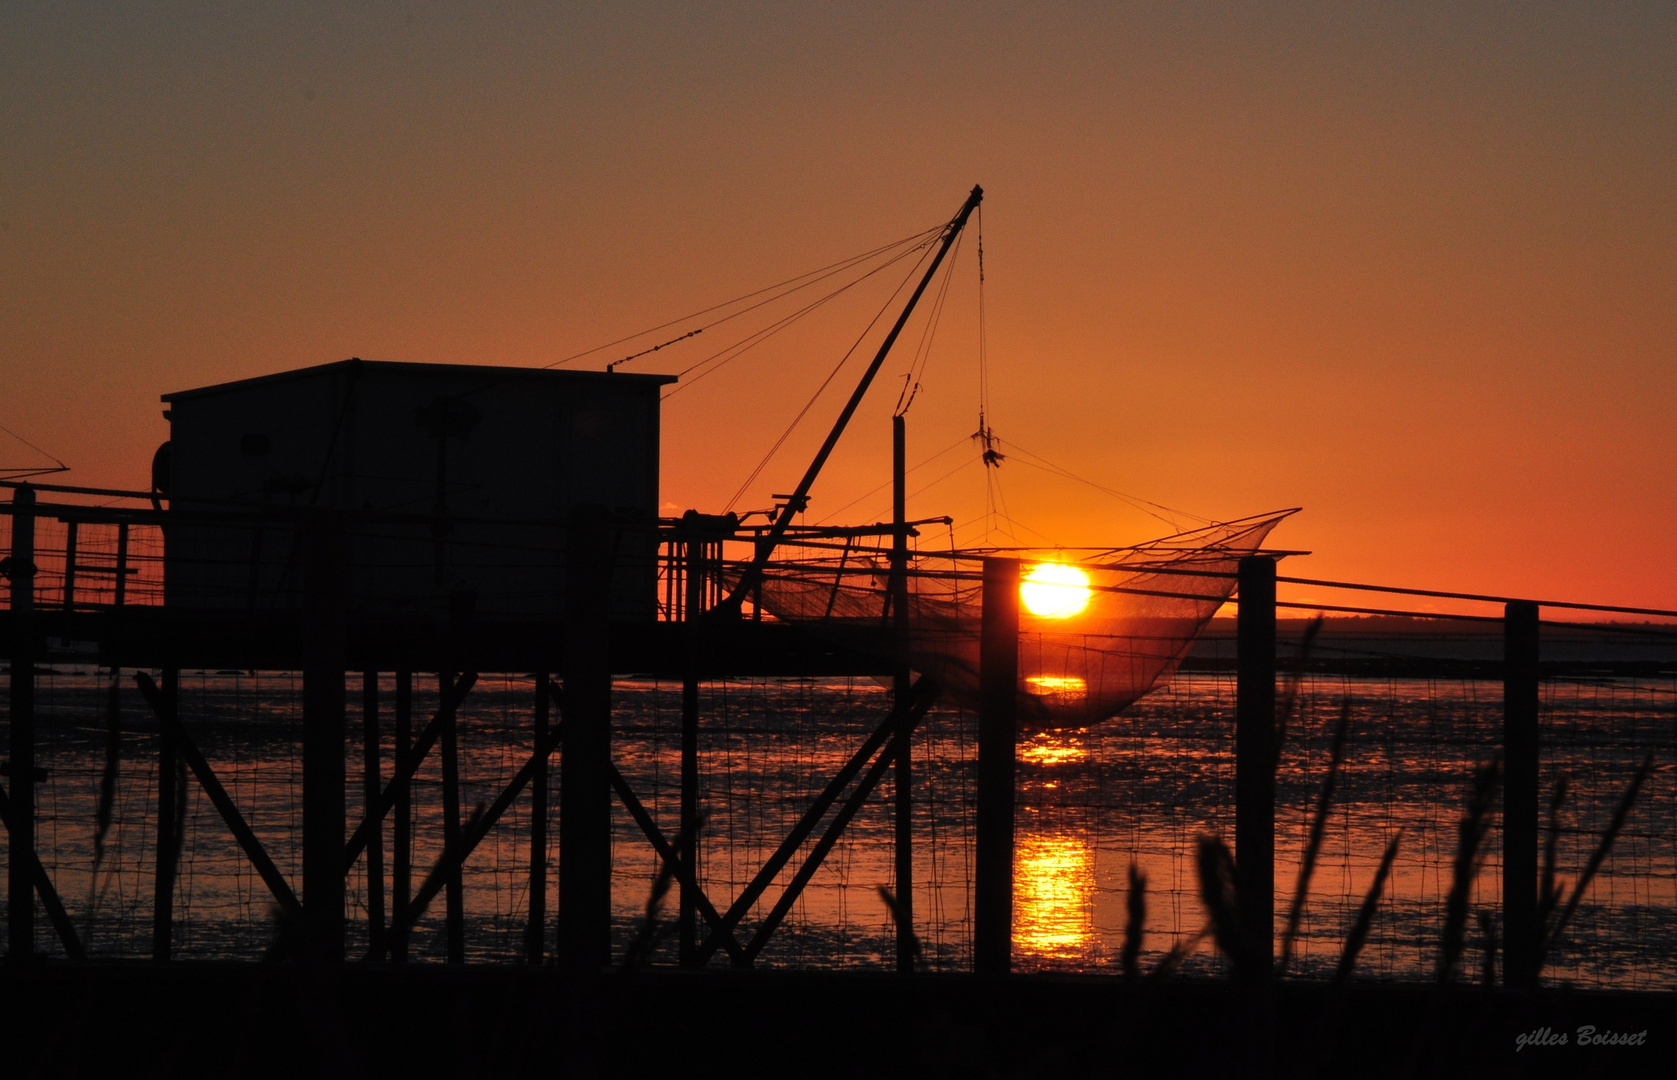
<point x="766" y="545"/>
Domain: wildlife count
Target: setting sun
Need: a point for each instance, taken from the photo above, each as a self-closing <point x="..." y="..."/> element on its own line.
<point x="1055" y="591"/>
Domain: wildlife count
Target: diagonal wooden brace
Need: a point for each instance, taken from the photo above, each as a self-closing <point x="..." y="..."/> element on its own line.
<point x="455" y="854"/>
<point x="923" y="689"/>
<point x="681" y="869"/>
<point x="253" y="849"/>
<point x="906" y="724"/>
<point x="49" y="895"/>
<point x="428" y="738"/>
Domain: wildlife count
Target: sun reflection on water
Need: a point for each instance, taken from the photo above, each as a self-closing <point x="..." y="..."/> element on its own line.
<point x="1053" y="748"/>
<point x="1053" y="886"/>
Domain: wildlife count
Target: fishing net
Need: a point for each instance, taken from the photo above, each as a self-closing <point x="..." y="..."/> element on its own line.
<point x="1097" y="629"/>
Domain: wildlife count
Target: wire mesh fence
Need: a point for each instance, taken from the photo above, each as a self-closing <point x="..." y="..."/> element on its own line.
<point x="1143" y="788"/>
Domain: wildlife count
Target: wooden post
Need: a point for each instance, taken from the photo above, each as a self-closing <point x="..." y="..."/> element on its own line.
<point x="454" y="915"/>
<point x="401" y="825"/>
<point x="1254" y="759"/>
<point x="998" y="703"/>
<point x="323" y="735"/>
<point x="687" y="928"/>
<point x="903" y="811"/>
<point x="168" y="815"/>
<point x="372" y="789"/>
<point x="20" y="880"/>
<point x="1519" y="794"/>
<point x="121" y="564"/>
<point x="70" y="565"/>
<point x="535" y="933"/>
<point x="585" y="782"/>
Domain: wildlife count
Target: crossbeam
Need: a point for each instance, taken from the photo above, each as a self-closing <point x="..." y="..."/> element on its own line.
<point x="253" y="849"/>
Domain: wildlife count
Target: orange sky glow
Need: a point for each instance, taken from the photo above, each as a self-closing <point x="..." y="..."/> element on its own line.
<point x="1411" y="267"/>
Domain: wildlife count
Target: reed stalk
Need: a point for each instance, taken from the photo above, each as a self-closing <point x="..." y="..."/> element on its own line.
<point x="889" y="898"/>
<point x="1365" y="915"/>
<point x="1470" y="836"/>
<point x="1597" y="857"/>
<point x="1318" y="827"/>
<point x="1221" y="897"/>
<point x="1136" y="925"/>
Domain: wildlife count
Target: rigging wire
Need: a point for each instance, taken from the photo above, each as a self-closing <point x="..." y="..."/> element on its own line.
<point x="848" y="353"/>
<point x="984" y="436"/>
<point x="19" y="474"/>
<point x="818" y="274"/>
<point x="1135" y="501"/>
<point x="869" y="494"/>
<point x="928" y="334"/>
<point x="739" y="348"/>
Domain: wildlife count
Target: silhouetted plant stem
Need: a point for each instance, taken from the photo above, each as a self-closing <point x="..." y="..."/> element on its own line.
<point x="1318" y="825"/>
<point x="890" y="900"/>
<point x="1470" y="835"/>
<point x="1222" y="904"/>
<point x="1365" y="915"/>
<point x="1135" y="927"/>
<point x="1290" y="688"/>
<point x="1597" y="857"/>
<point x="1548" y="893"/>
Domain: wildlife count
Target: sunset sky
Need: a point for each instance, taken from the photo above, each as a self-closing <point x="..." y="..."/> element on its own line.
<point x="1411" y="267"/>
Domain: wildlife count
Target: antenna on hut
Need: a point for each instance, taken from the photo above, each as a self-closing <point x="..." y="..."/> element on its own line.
<point x="753" y="573"/>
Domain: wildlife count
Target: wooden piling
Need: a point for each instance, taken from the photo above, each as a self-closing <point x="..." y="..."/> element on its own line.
<point x="998" y="688"/>
<point x="903" y="809"/>
<point x="687" y="922"/>
<point x="1520" y="931"/>
<point x="585" y="783"/>
<point x="168" y="817"/>
<point x="324" y="734"/>
<point x="535" y="931"/>
<point x="1254" y="768"/>
<point x="70" y="530"/>
<point x="401" y="824"/>
<point x="20" y="882"/>
<point x="121" y="594"/>
<point x="372" y="788"/>
<point x="454" y="895"/>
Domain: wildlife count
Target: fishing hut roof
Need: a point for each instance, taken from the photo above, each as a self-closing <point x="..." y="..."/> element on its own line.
<point x="489" y="373"/>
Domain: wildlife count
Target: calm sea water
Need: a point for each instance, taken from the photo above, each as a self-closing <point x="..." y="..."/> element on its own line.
<point x="1142" y="788"/>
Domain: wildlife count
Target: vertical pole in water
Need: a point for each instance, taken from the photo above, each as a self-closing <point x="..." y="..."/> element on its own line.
<point x="20" y="884"/>
<point x="372" y="790"/>
<point x="454" y="893"/>
<point x="535" y="931"/>
<point x="1519" y="794"/>
<point x="998" y="704"/>
<point x="168" y="836"/>
<point x="693" y="604"/>
<point x="121" y="564"/>
<point x="323" y="735"/>
<point x="401" y="826"/>
<point x="1254" y="758"/>
<point x="70" y="531"/>
<point x="584" y="785"/>
<point x="904" y="810"/>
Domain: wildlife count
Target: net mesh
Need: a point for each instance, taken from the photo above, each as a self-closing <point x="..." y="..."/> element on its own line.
<point x="1098" y="629"/>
